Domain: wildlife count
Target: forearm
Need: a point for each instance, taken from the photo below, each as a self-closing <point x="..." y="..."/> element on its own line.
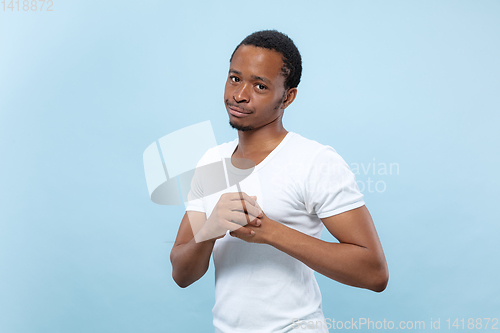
<point x="190" y="256"/>
<point x="190" y="261"/>
<point x="350" y="264"/>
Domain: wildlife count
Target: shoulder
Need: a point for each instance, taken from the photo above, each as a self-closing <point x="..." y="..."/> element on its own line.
<point x="309" y="150"/>
<point x="316" y="160"/>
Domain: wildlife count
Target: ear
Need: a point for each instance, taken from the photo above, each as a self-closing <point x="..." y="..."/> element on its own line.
<point x="289" y="97"/>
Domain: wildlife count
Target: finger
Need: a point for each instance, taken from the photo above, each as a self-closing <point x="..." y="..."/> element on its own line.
<point x="245" y="218"/>
<point x="242" y="231"/>
<point x="243" y="196"/>
<point x="230" y="225"/>
<point x="239" y="218"/>
<point x="246" y="207"/>
<point x="244" y="202"/>
<point x="255" y="222"/>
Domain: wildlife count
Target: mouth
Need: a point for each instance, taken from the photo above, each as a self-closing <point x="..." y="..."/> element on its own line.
<point x="237" y="112"/>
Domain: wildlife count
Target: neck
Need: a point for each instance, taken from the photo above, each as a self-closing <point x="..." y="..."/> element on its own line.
<point x="261" y="140"/>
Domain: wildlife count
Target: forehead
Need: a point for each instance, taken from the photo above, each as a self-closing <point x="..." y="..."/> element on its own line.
<point x="258" y="61"/>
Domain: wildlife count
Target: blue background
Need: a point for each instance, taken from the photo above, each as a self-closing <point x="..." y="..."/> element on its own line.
<point x="86" y="88"/>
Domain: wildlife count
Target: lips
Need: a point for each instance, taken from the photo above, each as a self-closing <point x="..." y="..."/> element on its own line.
<point x="237" y="112"/>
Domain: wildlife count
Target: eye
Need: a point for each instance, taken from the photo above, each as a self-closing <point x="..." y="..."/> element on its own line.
<point x="260" y="86"/>
<point x="234" y="78"/>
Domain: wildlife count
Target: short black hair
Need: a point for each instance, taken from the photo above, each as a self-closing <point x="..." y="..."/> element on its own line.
<point x="277" y="41"/>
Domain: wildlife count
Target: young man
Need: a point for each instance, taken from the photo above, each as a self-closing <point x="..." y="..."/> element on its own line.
<point x="264" y="266"/>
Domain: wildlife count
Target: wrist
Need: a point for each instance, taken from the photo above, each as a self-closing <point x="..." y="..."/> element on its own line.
<point x="276" y="230"/>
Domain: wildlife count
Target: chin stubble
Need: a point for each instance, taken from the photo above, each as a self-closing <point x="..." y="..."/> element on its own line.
<point x="240" y="128"/>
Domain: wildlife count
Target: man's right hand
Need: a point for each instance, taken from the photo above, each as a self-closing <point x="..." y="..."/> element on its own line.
<point x="232" y="212"/>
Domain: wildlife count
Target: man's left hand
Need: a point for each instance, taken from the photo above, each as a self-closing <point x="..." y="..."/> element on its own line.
<point x="263" y="232"/>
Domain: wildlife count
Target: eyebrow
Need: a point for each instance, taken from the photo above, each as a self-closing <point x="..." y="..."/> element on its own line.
<point x="255" y="77"/>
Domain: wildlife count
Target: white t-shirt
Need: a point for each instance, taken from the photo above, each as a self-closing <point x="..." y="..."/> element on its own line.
<point x="257" y="287"/>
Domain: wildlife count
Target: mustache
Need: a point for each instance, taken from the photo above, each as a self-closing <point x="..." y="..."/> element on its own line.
<point x="238" y="107"/>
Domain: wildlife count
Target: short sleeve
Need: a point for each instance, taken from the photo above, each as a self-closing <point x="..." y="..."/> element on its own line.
<point x="195" y="194"/>
<point x="330" y="186"/>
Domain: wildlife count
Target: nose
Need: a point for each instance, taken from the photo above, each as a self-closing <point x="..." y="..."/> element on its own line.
<point x="242" y="95"/>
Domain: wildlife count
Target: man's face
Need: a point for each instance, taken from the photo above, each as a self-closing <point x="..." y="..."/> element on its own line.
<point x="254" y="89"/>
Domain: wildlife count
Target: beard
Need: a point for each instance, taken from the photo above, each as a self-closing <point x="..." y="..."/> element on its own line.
<point x="240" y="128"/>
